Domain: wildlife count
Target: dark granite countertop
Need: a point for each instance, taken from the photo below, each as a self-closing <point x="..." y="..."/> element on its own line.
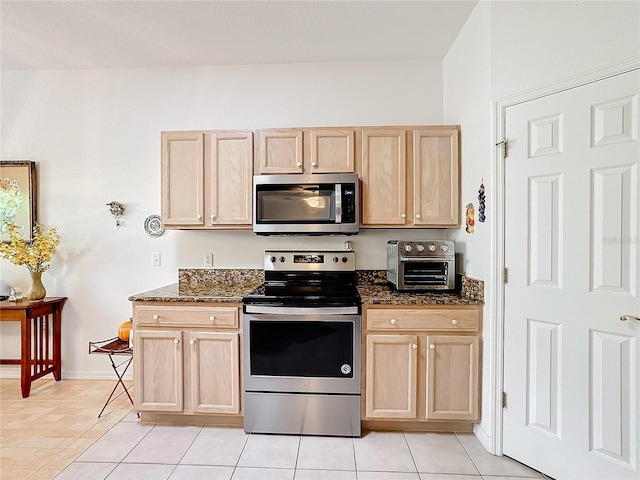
<point x="229" y="286"/>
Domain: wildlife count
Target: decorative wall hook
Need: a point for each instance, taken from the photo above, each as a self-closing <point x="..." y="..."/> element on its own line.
<point x="116" y="209"/>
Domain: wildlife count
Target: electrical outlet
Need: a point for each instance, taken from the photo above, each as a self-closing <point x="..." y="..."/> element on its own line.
<point x="156" y="259"/>
<point x="208" y="260"/>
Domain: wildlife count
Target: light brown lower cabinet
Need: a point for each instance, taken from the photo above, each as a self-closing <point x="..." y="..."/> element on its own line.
<point x="422" y="364"/>
<point x="187" y="359"/>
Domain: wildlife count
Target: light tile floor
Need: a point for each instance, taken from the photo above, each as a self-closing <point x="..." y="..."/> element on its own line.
<point x="127" y="449"/>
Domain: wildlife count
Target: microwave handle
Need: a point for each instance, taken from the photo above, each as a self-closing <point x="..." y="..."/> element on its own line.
<point x="338" y="203"/>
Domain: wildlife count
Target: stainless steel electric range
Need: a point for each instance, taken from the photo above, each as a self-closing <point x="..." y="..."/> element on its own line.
<point x="302" y="346"/>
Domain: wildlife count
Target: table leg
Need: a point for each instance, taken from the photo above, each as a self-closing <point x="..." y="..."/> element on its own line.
<point x="25" y="358"/>
<point x="57" y="343"/>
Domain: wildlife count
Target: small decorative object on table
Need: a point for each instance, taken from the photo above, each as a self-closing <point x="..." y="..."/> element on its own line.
<point x="35" y="256"/>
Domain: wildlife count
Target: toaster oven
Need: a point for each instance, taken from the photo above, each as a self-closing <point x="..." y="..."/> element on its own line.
<point x="421" y="266"/>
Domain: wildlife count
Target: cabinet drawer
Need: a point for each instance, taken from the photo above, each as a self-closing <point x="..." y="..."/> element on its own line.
<point x="419" y="319"/>
<point x="200" y="316"/>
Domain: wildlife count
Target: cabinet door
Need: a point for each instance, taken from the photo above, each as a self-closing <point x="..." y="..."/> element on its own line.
<point x="182" y="178"/>
<point x="231" y="178"/>
<point x="436" y="177"/>
<point x="215" y="372"/>
<point x="383" y="174"/>
<point x="452" y="377"/>
<point x="330" y="151"/>
<point x="280" y="151"/>
<point x="391" y="376"/>
<point x="158" y="370"/>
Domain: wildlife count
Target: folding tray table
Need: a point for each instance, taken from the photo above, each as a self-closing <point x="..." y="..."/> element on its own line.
<point x="113" y="347"/>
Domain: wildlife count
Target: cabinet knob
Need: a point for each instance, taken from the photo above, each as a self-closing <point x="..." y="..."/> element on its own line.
<point x="176" y="341"/>
<point x="298" y="164"/>
<point x="213" y="217"/>
<point x="414" y="345"/>
<point x="403" y="215"/>
<point x="418" y="215"/>
<point x="432" y="346"/>
<point x="192" y="342"/>
<point x="314" y="164"/>
<point x="199" y="217"/>
<point x="393" y="321"/>
<point x="212" y="318"/>
<point x="156" y="317"/>
<point x="454" y="322"/>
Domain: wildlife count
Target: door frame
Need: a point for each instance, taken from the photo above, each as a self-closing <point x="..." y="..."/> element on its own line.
<point x="496" y="284"/>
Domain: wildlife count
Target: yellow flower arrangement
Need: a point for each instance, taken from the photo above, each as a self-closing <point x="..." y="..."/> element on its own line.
<point x="35" y="256"/>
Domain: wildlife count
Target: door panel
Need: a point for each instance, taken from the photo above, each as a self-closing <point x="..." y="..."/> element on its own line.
<point x="571" y="367"/>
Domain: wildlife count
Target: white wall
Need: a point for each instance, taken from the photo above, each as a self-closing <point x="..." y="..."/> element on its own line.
<point x="508" y="48"/>
<point x="96" y="138"/>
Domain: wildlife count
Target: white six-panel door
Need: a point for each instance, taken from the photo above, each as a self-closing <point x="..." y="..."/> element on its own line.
<point x="571" y="366"/>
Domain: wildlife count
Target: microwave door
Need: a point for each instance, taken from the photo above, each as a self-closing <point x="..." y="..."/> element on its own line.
<point x="296" y="205"/>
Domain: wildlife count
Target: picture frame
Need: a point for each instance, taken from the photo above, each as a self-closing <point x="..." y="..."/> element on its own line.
<point x="25" y="215"/>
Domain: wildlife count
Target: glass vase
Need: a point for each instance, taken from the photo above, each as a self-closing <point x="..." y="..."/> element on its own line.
<point x="36" y="289"/>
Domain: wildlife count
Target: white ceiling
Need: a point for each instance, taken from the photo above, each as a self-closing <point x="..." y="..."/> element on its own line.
<point x="44" y="35"/>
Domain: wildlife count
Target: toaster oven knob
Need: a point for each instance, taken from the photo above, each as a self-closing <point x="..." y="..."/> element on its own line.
<point x="432" y="248"/>
<point x="335" y="259"/>
<point x="444" y="247"/>
<point x="345" y="259"/>
<point x="281" y="259"/>
<point x="420" y="247"/>
<point x="407" y="248"/>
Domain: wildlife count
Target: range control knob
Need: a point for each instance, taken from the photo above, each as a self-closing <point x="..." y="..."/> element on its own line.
<point x="345" y="259"/>
<point x="444" y="247"/>
<point x="281" y="259"/>
<point x="432" y="248"/>
<point x="420" y="247"/>
<point x="335" y="259"/>
<point x="273" y="259"/>
<point x="407" y="248"/>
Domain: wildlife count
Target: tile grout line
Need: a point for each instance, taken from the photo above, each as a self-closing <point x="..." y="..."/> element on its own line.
<point x="411" y="453"/>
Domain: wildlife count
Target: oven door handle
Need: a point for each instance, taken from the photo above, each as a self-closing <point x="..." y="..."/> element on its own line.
<point x="353" y="310"/>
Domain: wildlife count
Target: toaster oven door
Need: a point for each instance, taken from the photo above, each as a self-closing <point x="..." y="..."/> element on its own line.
<point x="426" y="274"/>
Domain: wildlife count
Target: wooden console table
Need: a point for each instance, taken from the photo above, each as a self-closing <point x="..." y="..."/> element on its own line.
<point x="41" y="338"/>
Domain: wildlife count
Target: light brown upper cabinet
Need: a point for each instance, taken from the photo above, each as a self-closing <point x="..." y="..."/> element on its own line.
<point x="410" y="176"/>
<point x="327" y="150"/>
<point x="207" y="179"/>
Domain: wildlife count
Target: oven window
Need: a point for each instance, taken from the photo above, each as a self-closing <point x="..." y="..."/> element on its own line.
<point x="308" y="204"/>
<point x="301" y="349"/>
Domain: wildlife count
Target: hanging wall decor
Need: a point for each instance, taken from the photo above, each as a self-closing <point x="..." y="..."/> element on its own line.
<point x="481" y="203"/>
<point x="470" y="218"/>
<point x="116" y="209"/>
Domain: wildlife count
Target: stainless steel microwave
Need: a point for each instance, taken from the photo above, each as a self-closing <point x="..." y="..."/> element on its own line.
<point x="298" y="204"/>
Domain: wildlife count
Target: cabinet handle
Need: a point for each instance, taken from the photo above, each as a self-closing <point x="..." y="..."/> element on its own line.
<point x="314" y="164"/>
<point x="432" y="346"/>
<point x="156" y="317"/>
<point x="393" y="321"/>
<point x="192" y="342"/>
<point x="414" y="345"/>
<point x="455" y="322"/>
<point x="418" y="215"/>
<point x="298" y="164"/>
<point x="212" y="318"/>
<point x="176" y="341"/>
<point x="403" y="215"/>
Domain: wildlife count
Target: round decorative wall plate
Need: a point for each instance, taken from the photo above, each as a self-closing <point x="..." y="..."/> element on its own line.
<point x="153" y="226"/>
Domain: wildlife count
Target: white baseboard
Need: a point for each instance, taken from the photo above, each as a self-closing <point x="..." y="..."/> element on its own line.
<point x="13" y="371"/>
<point x="483" y="437"/>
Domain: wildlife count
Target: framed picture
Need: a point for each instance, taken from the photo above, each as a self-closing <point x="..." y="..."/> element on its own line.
<point x="18" y="196"/>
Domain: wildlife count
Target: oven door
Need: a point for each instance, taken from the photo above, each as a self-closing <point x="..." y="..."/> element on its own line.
<point x="299" y="350"/>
